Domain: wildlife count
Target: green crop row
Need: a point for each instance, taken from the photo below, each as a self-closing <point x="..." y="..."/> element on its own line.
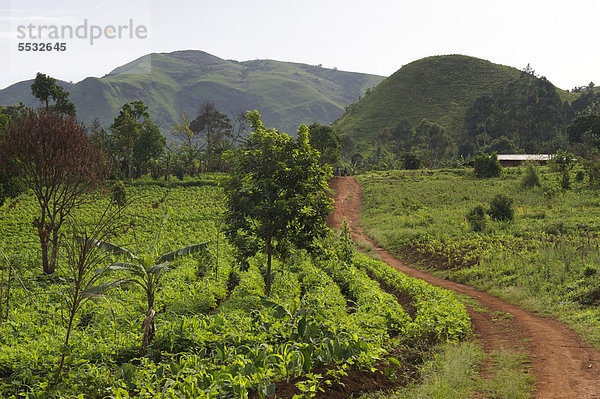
<point x="439" y="314"/>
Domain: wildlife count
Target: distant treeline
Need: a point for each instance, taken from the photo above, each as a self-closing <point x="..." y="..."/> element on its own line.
<point x="525" y="116"/>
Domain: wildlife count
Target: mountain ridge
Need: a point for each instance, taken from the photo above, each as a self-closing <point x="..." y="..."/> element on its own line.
<point x="285" y="93"/>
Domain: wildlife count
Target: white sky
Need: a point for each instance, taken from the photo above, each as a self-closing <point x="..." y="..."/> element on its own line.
<point x="558" y="38"/>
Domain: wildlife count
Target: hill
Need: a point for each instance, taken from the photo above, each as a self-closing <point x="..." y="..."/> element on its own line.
<point x="439" y="88"/>
<point x="286" y="94"/>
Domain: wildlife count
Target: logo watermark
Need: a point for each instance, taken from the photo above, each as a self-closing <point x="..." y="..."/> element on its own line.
<point x="89" y="32"/>
<point x="76" y="40"/>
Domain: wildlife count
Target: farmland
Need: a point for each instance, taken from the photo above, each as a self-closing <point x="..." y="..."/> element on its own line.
<point x="545" y="260"/>
<point x="217" y="335"/>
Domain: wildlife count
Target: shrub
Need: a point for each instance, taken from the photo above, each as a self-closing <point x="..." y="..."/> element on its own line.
<point x="486" y="166"/>
<point x="410" y="161"/>
<point x="118" y="193"/>
<point x="565" y="180"/>
<point x="530" y="178"/>
<point x="477" y="218"/>
<point x="501" y="208"/>
<point x="592" y="168"/>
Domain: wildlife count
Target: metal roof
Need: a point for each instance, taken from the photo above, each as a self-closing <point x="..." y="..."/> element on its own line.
<point x="524" y="157"/>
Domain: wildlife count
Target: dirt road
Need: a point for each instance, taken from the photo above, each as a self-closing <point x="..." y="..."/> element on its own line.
<point x="563" y="365"/>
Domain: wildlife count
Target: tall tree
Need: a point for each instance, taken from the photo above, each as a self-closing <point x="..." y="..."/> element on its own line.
<point x="213" y="126"/>
<point x="45" y="89"/>
<point x="188" y="150"/>
<point x="54" y="156"/>
<point x="276" y="196"/>
<point x="135" y="138"/>
<point x="324" y="139"/>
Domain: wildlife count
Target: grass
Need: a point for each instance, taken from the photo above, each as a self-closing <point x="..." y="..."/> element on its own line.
<point x="510" y="378"/>
<point x="451" y="374"/>
<point x="546" y="260"/>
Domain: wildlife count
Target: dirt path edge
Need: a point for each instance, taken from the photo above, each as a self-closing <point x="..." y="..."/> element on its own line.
<point x="563" y="365"/>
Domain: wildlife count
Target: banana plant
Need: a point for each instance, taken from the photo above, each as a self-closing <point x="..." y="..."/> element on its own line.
<point x="147" y="270"/>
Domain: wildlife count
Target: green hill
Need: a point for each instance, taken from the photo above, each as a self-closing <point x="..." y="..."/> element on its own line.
<point x="439" y="89"/>
<point x="286" y="94"/>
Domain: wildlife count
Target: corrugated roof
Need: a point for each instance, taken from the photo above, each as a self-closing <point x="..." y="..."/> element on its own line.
<point x="524" y="157"/>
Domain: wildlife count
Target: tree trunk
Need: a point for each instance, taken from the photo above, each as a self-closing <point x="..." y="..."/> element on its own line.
<point x="45" y="263"/>
<point x="269" y="256"/>
<point x="54" y="254"/>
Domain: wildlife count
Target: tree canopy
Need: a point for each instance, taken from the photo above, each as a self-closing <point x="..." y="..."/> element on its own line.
<point x="213" y="127"/>
<point x="276" y="197"/>
<point x="55" y="158"/>
<point x="324" y="139"/>
<point x="44" y="88"/>
<point x="135" y="139"/>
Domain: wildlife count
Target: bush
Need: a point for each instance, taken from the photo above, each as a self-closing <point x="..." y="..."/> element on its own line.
<point x="530" y="178"/>
<point x="565" y="180"/>
<point x="477" y="218"/>
<point x="592" y="169"/>
<point x="486" y="166"/>
<point x="501" y="208"/>
<point x="118" y="193"/>
<point x="410" y="161"/>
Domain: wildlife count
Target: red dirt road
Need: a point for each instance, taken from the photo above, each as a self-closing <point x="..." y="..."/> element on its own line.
<point x="562" y="364"/>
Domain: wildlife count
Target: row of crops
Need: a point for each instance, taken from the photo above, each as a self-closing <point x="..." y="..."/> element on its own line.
<point x="217" y="334"/>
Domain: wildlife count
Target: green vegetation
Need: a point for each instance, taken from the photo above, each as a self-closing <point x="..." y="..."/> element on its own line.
<point x="445" y="108"/>
<point x="217" y="334"/>
<point x="545" y="259"/>
<point x="439" y="89"/>
<point x="277" y="195"/>
<point x="135" y="140"/>
<point x="486" y="165"/>
<point x="171" y="84"/>
<point x="44" y="88"/>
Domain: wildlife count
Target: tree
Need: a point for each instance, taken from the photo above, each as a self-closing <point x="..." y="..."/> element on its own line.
<point x="276" y="196"/>
<point x="486" y="166"/>
<point x="326" y="141"/>
<point x="213" y="126"/>
<point x="10" y="185"/>
<point x="410" y="160"/>
<point x="585" y="129"/>
<point x="45" y="89"/>
<point x="55" y="158"/>
<point x="189" y="151"/>
<point x="433" y="138"/>
<point x="135" y="138"/>
<point x="149" y="146"/>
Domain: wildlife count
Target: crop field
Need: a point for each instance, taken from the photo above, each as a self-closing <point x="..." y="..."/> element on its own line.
<point x="546" y="259"/>
<point x="217" y="334"/>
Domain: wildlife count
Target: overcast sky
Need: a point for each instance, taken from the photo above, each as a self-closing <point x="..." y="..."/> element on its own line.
<point x="558" y="38"/>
